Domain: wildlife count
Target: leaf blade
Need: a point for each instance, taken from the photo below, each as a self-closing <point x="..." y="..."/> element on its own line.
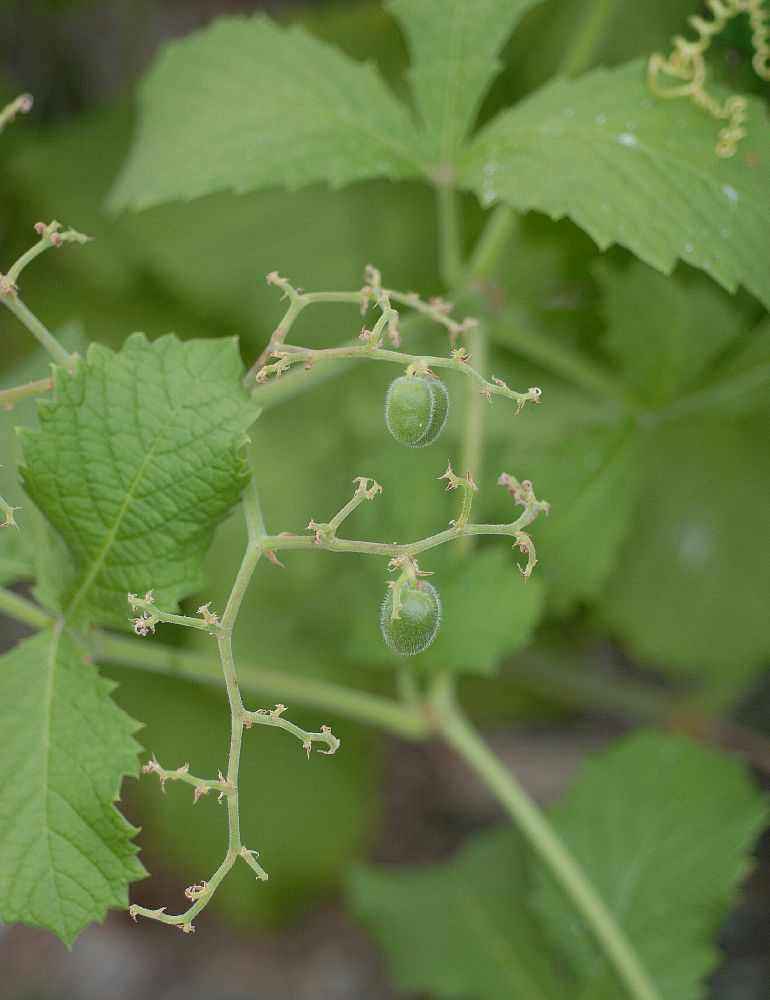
<point x="246" y="104"/>
<point x="662" y="600"/>
<point x="636" y="170"/>
<point x="451" y="930"/>
<point x="134" y="465"/>
<point x="652" y="812"/>
<point x="454" y="50"/>
<point x="65" y="851"/>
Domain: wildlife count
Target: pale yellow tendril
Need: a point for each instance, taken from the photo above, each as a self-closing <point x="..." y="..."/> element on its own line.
<point x="687" y="63"/>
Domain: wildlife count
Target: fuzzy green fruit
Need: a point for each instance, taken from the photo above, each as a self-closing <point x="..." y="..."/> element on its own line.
<point x="416" y="409"/>
<point x="418" y="622"/>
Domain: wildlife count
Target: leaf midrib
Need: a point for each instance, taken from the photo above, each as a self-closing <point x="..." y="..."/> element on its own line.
<point x="112" y="533"/>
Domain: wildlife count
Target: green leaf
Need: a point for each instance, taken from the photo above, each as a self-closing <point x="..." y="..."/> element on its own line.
<point x="489" y="611"/>
<point x="65" y="851"/>
<point x="652" y="812"/>
<point x="136" y="463"/>
<point x="246" y="104"/>
<point x="662" y="351"/>
<point x="740" y="382"/>
<point x="661" y="827"/>
<point x="591" y="481"/>
<point x="454" y="46"/>
<point x="692" y="586"/>
<point x="462" y="929"/>
<point x="633" y="169"/>
<point x="28" y="553"/>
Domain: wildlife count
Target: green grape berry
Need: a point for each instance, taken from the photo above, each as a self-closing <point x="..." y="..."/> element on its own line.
<point x="418" y="622"/>
<point x="416" y="409"/>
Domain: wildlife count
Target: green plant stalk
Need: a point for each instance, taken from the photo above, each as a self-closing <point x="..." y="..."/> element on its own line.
<point x="301" y="300"/>
<point x="375" y="710"/>
<point x="239" y="719"/>
<point x="449" y="234"/>
<point x="466" y="742"/>
<point x="18" y="392"/>
<point x="587" y="38"/>
<point x="292" y="355"/>
<point x="43" y="336"/>
<point x="515" y="333"/>
<point x="472" y="453"/>
<point x="295" y="383"/>
<point x="276" y="543"/>
<point x="491" y="243"/>
<point x="23" y="610"/>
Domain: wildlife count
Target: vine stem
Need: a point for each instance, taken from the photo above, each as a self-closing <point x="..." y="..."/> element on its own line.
<point x="18" y="392"/>
<point x="459" y="734"/>
<point x="472" y="453"/>
<point x="373" y="709"/>
<point x="449" y="234"/>
<point x="491" y="243"/>
<point x="43" y="336"/>
<point x="23" y="610"/>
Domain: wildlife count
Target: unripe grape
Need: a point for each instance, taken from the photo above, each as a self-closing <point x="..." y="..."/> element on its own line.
<point x="418" y="622"/>
<point x="416" y="408"/>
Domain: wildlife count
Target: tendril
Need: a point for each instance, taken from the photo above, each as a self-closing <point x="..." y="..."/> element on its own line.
<point x="687" y="64"/>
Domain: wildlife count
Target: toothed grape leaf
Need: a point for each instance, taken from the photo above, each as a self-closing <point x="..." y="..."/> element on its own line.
<point x="663" y="353"/>
<point x="461" y="929"/>
<point x="652" y="813"/>
<point x="591" y="481"/>
<point x="635" y="169"/>
<point x="28" y="553"/>
<point x="246" y="104"/>
<point x="454" y="47"/>
<point x="648" y="813"/>
<point x="692" y="584"/>
<point x="66" y="855"/>
<point x="135" y="463"/>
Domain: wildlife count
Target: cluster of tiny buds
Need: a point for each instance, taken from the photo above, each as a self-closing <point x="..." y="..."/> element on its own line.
<point x="150" y="616"/>
<point x="8" y="511"/>
<point x="522" y="492"/>
<point x="370" y="338"/>
<point x="454" y="481"/>
<point x="146" y="622"/>
<point x="274" y="278"/>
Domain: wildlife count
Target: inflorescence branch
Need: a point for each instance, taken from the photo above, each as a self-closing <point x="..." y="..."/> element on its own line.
<point x="51" y="236"/>
<point x="240" y="718"/>
<point x="324" y="536"/>
<point x="289" y="355"/>
<point x="522" y="493"/>
<point x="372" y="293"/>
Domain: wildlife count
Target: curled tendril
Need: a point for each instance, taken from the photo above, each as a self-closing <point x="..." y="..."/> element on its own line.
<point x="687" y="64"/>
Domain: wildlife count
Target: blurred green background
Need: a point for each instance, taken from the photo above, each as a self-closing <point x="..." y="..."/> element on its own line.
<point x="650" y="600"/>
